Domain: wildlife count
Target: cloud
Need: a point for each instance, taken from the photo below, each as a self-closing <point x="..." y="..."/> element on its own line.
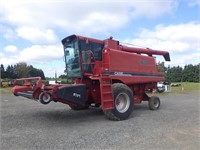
<point x="152" y="9"/>
<point x="49" y="58"/>
<point x="183" y="32"/>
<point x="81" y="16"/>
<point x="52" y="69"/>
<point x="98" y="22"/>
<point x="36" y="54"/>
<point x="192" y="3"/>
<point x="7" y="33"/>
<point x="182" y="60"/>
<point x="37" y="36"/>
<point x="10" y="48"/>
<point x="181" y="40"/>
<point x="41" y="54"/>
<point x="175" y="38"/>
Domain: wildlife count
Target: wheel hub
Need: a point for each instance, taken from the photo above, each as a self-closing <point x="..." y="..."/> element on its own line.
<point x="122" y="102"/>
<point x="156" y="103"/>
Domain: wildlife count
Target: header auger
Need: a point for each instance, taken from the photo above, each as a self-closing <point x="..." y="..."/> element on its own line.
<point x="105" y="74"/>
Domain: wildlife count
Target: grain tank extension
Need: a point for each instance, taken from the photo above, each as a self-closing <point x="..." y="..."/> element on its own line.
<point x="105" y="74"/>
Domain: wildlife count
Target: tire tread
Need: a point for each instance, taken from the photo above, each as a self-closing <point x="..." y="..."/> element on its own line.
<point x="116" y="87"/>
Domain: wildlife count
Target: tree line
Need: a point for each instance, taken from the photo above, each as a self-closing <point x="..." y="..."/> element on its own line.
<point x="20" y="70"/>
<point x="188" y="73"/>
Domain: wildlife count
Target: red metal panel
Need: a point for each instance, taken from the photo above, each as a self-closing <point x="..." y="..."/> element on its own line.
<point x="136" y="79"/>
<point x="90" y="39"/>
<point x="147" y="51"/>
<point x="129" y="62"/>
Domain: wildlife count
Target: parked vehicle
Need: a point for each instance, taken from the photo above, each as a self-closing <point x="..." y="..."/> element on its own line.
<point x="105" y="74"/>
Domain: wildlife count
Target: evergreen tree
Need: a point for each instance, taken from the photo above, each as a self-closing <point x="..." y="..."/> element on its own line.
<point x="34" y="72"/>
<point x="3" y="73"/>
<point x="191" y="73"/>
<point x="168" y="75"/>
<point x="13" y="75"/>
<point x="197" y="73"/>
<point x="8" y="72"/>
<point x="174" y="74"/>
<point x="161" y="67"/>
<point x="63" y="76"/>
<point x="22" y="70"/>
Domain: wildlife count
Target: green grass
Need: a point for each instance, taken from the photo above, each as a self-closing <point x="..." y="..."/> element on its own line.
<point x="189" y="87"/>
<point x="5" y="90"/>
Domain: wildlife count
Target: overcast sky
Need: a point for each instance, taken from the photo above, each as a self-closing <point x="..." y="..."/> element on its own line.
<point x="31" y="30"/>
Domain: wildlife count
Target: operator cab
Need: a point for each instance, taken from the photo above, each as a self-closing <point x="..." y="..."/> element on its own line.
<point x="80" y="54"/>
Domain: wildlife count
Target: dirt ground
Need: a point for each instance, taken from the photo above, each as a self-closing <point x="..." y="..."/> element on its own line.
<point x="29" y="125"/>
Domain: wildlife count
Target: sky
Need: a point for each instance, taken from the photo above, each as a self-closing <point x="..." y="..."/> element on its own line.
<point x="31" y="30"/>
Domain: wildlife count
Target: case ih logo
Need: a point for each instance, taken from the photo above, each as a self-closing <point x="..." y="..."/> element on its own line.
<point x="121" y="74"/>
<point x="144" y="62"/>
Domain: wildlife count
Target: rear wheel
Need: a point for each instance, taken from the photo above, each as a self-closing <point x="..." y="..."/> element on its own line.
<point x="154" y="103"/>
<point x="123" y="102"/>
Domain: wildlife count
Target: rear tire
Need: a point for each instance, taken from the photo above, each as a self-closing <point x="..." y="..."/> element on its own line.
<point x="154" y="103"/>
<point x="123" y="102"/>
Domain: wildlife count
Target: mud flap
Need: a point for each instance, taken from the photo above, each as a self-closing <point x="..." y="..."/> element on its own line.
<point x="73" y="93"/>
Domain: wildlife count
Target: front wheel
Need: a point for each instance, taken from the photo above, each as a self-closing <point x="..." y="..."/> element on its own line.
<point x="154" y="103"/>
<point x="45" y="98"/>
<point x="123" y="102"/>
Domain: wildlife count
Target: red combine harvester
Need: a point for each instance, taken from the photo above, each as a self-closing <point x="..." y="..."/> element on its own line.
<point x="105" y="74"/>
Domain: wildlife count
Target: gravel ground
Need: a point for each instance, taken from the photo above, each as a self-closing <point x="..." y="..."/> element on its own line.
<point x="28" y="125"/>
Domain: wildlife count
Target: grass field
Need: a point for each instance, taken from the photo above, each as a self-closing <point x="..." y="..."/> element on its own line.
<point x="188" y="88"/>
<point x="5" y="90"/>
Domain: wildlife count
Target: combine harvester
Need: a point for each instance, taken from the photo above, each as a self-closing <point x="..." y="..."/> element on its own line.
<point x="105" y="74"/>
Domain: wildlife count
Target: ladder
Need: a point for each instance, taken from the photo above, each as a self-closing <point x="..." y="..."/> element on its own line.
<point x="106" y="93"/>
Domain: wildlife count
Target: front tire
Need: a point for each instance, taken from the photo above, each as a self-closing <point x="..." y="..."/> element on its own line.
<point x="123" y="102"/>
<point x="154" y="103"/>
<point x="45" y="98"/>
